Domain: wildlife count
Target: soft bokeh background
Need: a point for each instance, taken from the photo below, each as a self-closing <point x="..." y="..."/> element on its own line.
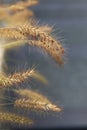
<point x="68" y="84"/>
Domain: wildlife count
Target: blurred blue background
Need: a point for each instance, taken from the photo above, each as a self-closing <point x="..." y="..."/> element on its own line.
<point x="68" y="84"/>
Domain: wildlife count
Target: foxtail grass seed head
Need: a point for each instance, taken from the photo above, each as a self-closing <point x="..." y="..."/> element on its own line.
<point x="14" y="119"/>
<point x="44" y="40"/>
<point x="38" y="38"/>
<point x="20" y="77"/>
<point x="35" y="98"/>
<point x="15" y="78"/>
<point x="36" y="105"/>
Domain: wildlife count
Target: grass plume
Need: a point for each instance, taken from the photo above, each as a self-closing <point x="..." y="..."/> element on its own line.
<point x="17" y="78"/>
<point x="37" y="38"/>
<point x="14" y="119"/>
<point x="34" y="100"/>
<point x="36" y="105"/>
